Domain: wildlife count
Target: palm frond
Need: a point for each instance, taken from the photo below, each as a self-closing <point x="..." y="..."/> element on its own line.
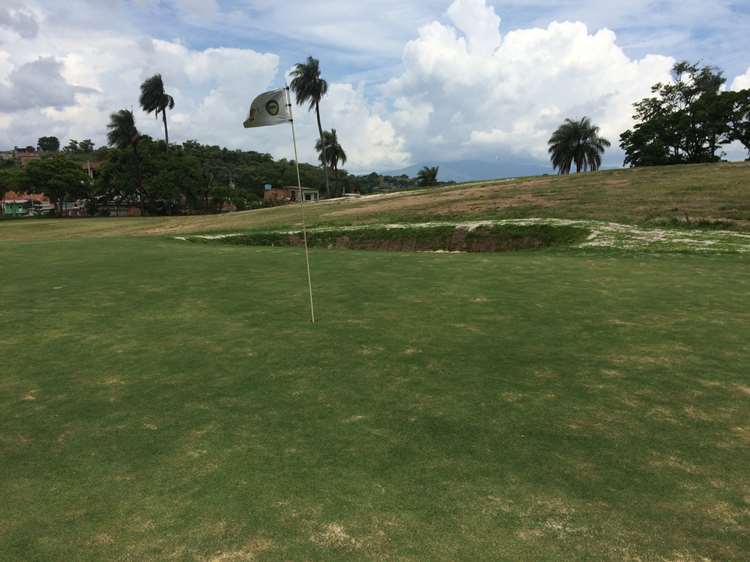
<point x="121" y="130"/>
<point x="308" y="86"/>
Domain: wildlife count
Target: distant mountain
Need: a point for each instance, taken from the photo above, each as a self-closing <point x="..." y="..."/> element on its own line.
<point x="474" y="170"/>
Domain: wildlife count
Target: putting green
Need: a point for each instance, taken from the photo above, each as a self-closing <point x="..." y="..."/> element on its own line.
<point x="170" y="401"/>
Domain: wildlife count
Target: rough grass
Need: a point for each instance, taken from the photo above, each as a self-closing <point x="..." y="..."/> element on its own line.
<point x="169" y="401"/>
<point x="685" y="196"/>
<point x="419" y="237"/>
<point x="498" y="235"/>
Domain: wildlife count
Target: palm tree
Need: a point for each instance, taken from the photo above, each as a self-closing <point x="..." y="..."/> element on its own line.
<point x="122" y="131"/>
<point x="122" y="134"/>
<point x="155" y="100"/>
<point x="330" y="152"/>
<point x="309" y="88"/>
<point x="427" y="176"/>
<point x="579" y="143"/>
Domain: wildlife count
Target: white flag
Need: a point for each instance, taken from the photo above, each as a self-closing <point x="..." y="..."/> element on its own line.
<point x="269" y="109"/>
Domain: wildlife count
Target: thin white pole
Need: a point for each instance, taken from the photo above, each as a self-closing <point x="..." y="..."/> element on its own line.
<point x="302" y="203"/>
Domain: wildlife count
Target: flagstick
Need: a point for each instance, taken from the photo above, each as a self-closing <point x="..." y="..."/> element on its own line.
<point x="302" y="203"/>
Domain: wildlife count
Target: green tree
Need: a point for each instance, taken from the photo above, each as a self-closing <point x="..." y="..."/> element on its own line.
<point x="86" y="145"/>
<point x="330" y="151"/>
<point x="310" y="88"/>
<point x="577" y="143"/>
<point x="117" y="179"/>
<point x="123" y="134"/>
<point x="48" y="144"/>
<point x="685" y="121"/>
<point x="427" y="176"/>
<point x="170" y="176"/>
<point x="155" y="100"/>
<point x="72" y="147"/>
<point x="58" y="178"/>
<point x="739" y="117"/>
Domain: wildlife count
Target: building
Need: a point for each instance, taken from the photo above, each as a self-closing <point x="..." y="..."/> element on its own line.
<point x="290" y="194"/>
<point x="15" y="208"/>
<point x="25" y="155"/>
<point x="25" y="205"/>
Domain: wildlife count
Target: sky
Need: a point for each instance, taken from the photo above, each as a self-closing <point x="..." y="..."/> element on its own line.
<point x="409" y="81"/>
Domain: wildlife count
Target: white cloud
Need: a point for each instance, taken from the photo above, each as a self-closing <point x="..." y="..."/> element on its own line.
<point x="19" y="20"/>
<point x="458" y="89"/>
<point x="494" y="94"/>
<point x="742" y="82"/>
<point x="478" y="22"/>
<point x="38" y="84"/>
<point x="369" y="140"/>
<point x="101" y="73"/>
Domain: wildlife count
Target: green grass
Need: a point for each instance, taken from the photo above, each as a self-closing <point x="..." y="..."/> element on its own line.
<point x="695" y="196"/>
<point x="169" y="401"/>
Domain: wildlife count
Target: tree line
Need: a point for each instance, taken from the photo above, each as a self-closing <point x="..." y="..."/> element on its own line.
<point x="161" y="179"/>
<point x="186" y="178"/>
<point x="164" y="178"/>
<point x="685" y="121"/>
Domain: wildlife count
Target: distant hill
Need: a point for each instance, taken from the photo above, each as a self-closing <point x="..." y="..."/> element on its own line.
<point x="475" y="170"/>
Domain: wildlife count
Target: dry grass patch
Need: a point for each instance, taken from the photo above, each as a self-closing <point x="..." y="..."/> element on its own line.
<point x="674" y="463"/>
<point x="334" y="535"/>
<point x="248" y="553"/>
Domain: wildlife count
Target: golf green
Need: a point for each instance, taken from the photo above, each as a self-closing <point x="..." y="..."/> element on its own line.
<point x="163" y="400"/>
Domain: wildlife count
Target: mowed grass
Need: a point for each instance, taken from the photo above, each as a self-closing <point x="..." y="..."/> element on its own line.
<point x="170" y="401"/>
<point x="717" y="193"/>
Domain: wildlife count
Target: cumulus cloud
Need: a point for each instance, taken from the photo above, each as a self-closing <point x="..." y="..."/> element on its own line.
<point x="73" y="95"/>
<point x="410" y="82"/>
<point x="492" y="94"/>
<point x="38" y="84"/>
<point x="19" y="20"/>
<point x="742" y="82"/>
<point x="370" y="140"/>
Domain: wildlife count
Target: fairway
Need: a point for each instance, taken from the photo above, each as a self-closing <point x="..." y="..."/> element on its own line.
<point x="170" y="401"/>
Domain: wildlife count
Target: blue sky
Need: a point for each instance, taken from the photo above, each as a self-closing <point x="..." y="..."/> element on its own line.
<point x="698" y="34"/>
<point x="712" y="31"/>
<point x="410" y="81"/>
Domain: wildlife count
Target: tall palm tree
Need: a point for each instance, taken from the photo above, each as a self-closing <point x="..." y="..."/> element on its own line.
<point x="155" y="100"/>
<point x="330" y="152"/>
<point x="309" y="88"/>
<point x="427" y="176"/>
<point x="579" y="143"/>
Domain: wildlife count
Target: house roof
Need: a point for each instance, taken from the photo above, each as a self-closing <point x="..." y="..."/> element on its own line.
<point x="11" y="196"/>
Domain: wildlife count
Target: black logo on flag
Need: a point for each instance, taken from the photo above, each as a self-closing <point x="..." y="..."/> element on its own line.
<point x="272" y="107"/>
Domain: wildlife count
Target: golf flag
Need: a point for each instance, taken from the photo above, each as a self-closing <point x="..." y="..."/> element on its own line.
<point x="269" y="109"/>
<point x="275" y="108"/>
